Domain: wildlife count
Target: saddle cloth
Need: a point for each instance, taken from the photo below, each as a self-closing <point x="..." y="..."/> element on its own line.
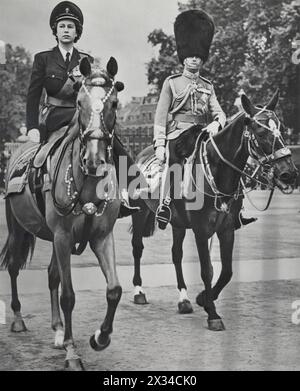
<point x="152" y="171"/>
<point x="19" y="167"/>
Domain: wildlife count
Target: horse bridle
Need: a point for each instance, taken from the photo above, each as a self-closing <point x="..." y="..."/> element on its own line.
<point x="89" y="208"/>
<point x="253" y="148"/>
<point x="98" y="108"/>
<point x="253" y="145"/>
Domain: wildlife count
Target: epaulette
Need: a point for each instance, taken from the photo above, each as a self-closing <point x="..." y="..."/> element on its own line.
<point x="45" y="51"/>
<point x="83" y="54"/>
<point x="174" y="76"/>
<point x="207" y="81"/>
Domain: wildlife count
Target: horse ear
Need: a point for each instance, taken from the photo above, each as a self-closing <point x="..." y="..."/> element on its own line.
<point x="247" y="105"/>
<point x="274" y="100"/>
<point x="85" y="67"/>
<point x="112" y="67"/>
<point x="120" y="86"/>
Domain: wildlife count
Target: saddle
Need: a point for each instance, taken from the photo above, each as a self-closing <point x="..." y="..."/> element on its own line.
<point x="26" y="163"/>
<point x="187" y="146"/>
<point x="46" y="149"/>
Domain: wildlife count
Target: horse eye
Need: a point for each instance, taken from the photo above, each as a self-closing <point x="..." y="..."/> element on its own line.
<point x="79" y="103"/>
<point x="115" y="104"/>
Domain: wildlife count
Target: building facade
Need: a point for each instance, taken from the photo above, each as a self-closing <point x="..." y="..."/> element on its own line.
<point x="136" y="120"/>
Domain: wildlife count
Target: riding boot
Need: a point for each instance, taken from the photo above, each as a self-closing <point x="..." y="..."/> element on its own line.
<point x="163" y="213"/>
<point x="125" y="208"/>
<point x="243" y="221"/>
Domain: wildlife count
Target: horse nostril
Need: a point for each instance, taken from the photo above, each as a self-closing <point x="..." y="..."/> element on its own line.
<point x="101" y="162"/>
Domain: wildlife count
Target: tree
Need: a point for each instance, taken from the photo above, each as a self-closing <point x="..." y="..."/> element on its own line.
<point x="166" y="64"/>
<point x="271" y="27"/>
<point x="251" y="50"/>
<point x="14" y="80"/>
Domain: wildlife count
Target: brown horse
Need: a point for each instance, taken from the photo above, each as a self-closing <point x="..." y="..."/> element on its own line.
<point x="76" y="210"/>
<point x="223" y="159"/>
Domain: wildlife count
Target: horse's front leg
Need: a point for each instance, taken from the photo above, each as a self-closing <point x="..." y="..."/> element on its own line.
<point x="104" y="249"/>
<point x="214" y="320"/>
<point x="184" y="304"/>
<point x="63" y="246"/>
<point x="142" y="223"/>
<point x="53" y="282"/>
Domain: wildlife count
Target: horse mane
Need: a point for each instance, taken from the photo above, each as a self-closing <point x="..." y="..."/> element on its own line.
<point x="73" y="130"/>
<point x="232" y="122"/>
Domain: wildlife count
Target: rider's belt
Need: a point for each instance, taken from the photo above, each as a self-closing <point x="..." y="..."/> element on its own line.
<point x="193" y="119"/>
<point x="59" y="102"/>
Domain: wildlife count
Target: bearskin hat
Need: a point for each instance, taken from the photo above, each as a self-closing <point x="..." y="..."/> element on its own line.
<point x="194" y="31"/>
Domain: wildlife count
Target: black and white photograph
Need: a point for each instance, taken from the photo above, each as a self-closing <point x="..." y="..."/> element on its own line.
<point x="149" y="188"/>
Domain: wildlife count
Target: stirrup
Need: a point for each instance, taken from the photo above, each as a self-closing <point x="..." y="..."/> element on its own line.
<point x="243" y="221"/>
<point x="163" y="214"/>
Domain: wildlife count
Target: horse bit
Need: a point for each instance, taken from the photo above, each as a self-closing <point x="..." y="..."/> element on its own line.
<point x="97" y="108"/>
<point x="253" y="147"/>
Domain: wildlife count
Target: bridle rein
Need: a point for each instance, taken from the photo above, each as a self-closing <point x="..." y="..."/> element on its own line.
<point x="254" y="150"/>
<point x="99" y="131"/>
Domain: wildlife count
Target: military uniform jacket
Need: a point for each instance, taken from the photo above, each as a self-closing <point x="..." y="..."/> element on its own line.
<point x="186" y="99"/>
<point x="50" y="72"/>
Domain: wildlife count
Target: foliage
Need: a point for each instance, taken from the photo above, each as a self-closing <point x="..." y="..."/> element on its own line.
<point x="251" y="50"/>
<point x="14" y="79"/>
<point x="166" y="64"/>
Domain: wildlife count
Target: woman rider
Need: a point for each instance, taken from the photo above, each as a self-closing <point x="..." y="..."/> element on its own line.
<point x="56" y="71"/>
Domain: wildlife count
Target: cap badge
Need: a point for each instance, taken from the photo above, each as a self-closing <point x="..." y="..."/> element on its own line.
<point x="67" y="10"/>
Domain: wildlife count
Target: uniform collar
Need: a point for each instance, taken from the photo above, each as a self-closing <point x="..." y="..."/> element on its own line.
<point x="190" y="75"/>
<point x="64" y="52"/>
<point x="59" y="58"/>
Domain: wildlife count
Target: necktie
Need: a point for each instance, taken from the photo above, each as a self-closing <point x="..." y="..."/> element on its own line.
<point x="67" y="59"/>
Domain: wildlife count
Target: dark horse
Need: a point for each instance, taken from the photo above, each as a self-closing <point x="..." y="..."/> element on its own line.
<point x="76" y="210"/>
<point x="223" y="157"/>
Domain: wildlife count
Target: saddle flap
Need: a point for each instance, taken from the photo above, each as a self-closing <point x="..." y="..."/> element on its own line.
<point x="46" y="149"/>
<point x="151" y="170"/>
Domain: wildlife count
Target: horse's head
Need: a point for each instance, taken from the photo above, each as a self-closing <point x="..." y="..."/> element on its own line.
<point x="97" y="105"/>
<point x="265" y="142"/>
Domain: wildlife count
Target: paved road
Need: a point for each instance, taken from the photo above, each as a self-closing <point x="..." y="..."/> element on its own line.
<point x="256" y="307"/>
<point x="259" y="336"/>
<point x="275" y="235"/>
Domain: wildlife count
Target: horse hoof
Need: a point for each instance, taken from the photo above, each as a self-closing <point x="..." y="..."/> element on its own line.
<point x="216" y="325"/>
<point x="59" y="339"/>
<point x="98" y="346"/>
<point x="74" y="365"/>
<point x="200" y="299"/>
<point x="185" y="307"/>
<point x="140" y="299"/>
<point x="18" y="327"/>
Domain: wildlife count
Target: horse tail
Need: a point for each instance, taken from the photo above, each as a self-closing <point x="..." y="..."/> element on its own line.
<point x="13" y="249"/>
